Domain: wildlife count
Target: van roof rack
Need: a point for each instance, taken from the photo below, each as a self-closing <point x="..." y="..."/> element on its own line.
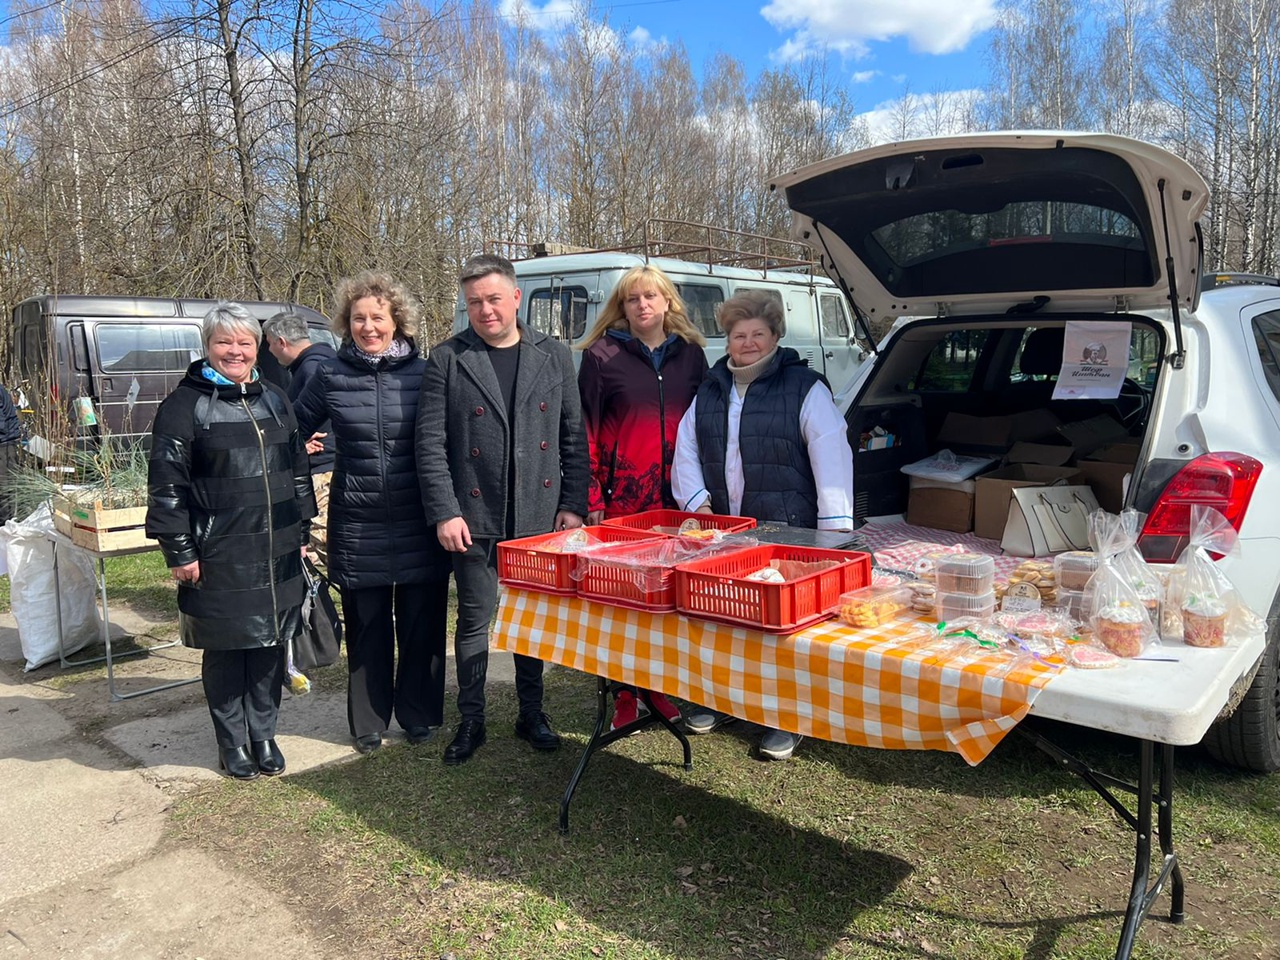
<point x="686" y="240"/>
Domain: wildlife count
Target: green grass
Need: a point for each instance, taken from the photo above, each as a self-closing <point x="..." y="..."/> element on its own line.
<point x="843" y="852"/>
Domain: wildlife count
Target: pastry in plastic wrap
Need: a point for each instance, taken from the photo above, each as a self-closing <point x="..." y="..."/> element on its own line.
<point x="972" y="574"/>
<point x="923" y="597"/>
<point x="873" y="606"/>
<point x="767" y="575"/>
<point x="1088" y="657"/>
<point x="1204" y="622"/>
<point x="1122" y="628"/>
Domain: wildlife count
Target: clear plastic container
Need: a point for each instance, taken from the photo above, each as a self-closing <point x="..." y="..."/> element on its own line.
<point x="1074" y="568"/>
<point x="950" y="606"/>
<point x="1072" y="603"/>
<point x="965" y="573"/>
<point x="926" y="566"/>
<point x="874" y="605"/>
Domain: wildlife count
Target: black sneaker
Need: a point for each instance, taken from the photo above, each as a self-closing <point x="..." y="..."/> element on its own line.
<point x="536" y="728"/>
<point x="469" y="738"/>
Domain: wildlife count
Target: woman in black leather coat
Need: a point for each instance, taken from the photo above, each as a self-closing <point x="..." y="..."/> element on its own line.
<point x="391" y="569"/>
<point x="229" y="500"/>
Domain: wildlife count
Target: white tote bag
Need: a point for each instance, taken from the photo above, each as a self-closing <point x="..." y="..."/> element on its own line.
<point x="1048" y="520"/>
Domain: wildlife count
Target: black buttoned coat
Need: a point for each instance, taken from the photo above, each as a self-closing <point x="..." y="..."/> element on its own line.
<point x="463" y="437"/>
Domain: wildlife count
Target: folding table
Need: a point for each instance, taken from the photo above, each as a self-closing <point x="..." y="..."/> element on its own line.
<point x="101" y="556"/>
<point x="867" y="687"/>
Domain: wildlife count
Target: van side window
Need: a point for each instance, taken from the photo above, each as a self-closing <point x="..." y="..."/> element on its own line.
<point x="147" y="347"/>
<point x="702" y="300"/>
<point x="560" y="312"/>
<point x="835" y="324"/>
<point x="35" y="351"/>
<point x="950" y="366"/>
<point x="1266" y="333"/>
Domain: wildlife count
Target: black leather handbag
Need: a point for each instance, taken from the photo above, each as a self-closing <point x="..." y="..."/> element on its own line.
<point x="320" y="642"/>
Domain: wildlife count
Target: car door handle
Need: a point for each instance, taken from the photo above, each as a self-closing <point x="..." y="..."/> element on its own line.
<point x="829" y="354"/>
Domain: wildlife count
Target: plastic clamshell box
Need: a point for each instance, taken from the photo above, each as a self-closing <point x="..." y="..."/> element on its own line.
<point x="1073" y="569"/>
<point x="718" y="589"/>
<point x="536" y="563"/>
<point x="968" y="573"/>
<point x="1072" y="603"/>
<point x="668" y="521"/>
<point x="874" y="605"/>
<point x="951" y="606"/>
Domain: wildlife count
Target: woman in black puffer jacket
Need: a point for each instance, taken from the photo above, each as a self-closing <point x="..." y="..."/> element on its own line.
<point x="229" y="497"/>
<point x="385" y="558"/>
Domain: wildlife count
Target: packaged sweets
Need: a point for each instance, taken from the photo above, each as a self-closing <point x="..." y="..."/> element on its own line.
<point x="953" y="606"/>
<point x="1074" y="568"/>
<point x="1036" y="579"/>
<point x="874" y="605"/>
<point x="965" y="573"/>
<point x="1122" y="626"/>
<point x="1206" y="599"/>
<point x="1119" y="615"/>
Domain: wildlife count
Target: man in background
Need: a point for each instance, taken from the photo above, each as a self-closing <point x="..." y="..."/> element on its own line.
<point x="289" y="341"/>
<point x="10" y="439"/>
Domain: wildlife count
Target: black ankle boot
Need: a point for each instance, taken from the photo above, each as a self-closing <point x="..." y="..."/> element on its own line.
<point x="267" y="756"/>
<point x="237" y="763"/>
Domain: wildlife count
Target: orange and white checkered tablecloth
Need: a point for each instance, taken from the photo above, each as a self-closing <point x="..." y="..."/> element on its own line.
<point x="831" y="681"/>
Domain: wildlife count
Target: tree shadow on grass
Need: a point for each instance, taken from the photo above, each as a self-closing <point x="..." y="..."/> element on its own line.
<point x="653" y="857"/>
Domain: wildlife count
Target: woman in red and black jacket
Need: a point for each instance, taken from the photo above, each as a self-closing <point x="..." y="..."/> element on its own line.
<point x="641" y="367"/>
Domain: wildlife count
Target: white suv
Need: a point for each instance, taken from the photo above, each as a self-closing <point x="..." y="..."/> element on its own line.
<point x="989" y="245"/>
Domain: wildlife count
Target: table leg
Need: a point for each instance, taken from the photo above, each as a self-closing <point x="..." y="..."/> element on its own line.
<point x="1142" y="892"/>
<point x="600" y="739"/>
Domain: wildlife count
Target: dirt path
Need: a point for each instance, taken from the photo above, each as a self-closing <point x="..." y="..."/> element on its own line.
<point x="87" y="789"/>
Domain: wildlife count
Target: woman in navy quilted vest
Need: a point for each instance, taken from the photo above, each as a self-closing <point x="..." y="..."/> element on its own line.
<point x="384" y="557"/>
<point x="229" y="499"/>
<point x="763" y="438"/>
<point x="642" y="364"/>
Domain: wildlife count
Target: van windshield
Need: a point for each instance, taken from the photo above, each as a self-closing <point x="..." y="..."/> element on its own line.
<point x="147" y="347"/>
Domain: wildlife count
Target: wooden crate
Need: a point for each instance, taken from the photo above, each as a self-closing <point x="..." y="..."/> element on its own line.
<point x="99" y="528"/>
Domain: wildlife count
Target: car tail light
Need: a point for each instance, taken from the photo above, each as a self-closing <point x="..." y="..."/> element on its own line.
<point x="1224" y="481"/>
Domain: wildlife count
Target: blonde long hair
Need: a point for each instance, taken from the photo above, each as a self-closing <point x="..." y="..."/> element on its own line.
<point x="614" y="317"/>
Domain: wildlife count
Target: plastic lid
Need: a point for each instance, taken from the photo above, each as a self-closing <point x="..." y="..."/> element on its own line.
<point x="1076" y="560"/>
<point x="965" y="604"/>
<point x="878" y="593"/>
<point x="966" y="565"/>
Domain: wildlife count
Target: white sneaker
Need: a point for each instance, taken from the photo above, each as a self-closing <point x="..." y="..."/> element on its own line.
<point x="778" y="744"/>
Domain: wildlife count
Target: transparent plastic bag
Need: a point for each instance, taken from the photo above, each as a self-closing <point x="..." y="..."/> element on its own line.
<point x="1115" y="536"/>
<point x="648" y="563"/>
<point x="1117" y="615"/>
<point x="1210" y="607"/>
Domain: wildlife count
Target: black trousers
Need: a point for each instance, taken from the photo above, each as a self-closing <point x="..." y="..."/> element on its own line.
<point x="8" y="463"/>
<point x="379" y="621"/>
<point x="476" y="573"/>
<point x="243" y="688"/>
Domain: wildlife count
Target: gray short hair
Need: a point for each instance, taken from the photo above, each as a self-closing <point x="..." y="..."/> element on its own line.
<point x="288" y="326"/>
<point x="225" y="315"/>
<point x="485" y="264"/>
<point x="752" y="305"/>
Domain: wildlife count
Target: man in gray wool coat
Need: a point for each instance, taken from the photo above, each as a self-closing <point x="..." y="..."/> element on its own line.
<point x="502" y="453"/>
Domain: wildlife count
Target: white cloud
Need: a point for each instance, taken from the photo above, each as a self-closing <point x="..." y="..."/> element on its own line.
<point x="847" y="26"/>
<point x="865" y="76"/>
<point x="645" y="42"/>
<point x="549" y="17"/>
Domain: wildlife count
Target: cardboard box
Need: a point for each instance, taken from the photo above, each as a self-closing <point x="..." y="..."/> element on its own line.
<point x="941" y="505"/>
<point x="1096" y="432"/>
<point x="1026" y="465"/>
<point x="962" y="432"/>
<point x="1106" y="471"/>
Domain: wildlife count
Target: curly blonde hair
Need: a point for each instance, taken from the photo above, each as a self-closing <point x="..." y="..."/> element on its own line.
<point x="374" y="283"/>
<point x="650" y="277"/>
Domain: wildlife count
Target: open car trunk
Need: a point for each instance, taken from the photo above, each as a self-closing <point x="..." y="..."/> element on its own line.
<point x="985" y="386"/>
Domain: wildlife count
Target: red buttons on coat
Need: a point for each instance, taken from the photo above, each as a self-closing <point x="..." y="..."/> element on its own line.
<point x="475" y="451"/>
<point x="475" y="491"/>
<point x="544" y="444"/>
<point x="479" y="411"/>
<point x="542" y="406"/>
<point x="546" y="483"/>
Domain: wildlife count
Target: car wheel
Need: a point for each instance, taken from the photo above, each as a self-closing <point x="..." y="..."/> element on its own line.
<point x="1250" y="737"/>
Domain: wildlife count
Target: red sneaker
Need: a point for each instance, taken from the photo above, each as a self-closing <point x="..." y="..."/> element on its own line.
<point x="625" y="709"/>
<point x="665" y="706"/>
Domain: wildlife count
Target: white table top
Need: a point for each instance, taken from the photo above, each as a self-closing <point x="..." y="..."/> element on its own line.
<point x="1173" y="703"/>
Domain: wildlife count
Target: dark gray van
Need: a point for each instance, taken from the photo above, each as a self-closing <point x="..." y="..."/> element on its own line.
<point x="109" y="361"/>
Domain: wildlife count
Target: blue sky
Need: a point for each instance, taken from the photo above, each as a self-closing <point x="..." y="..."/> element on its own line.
<point x="883" y="49"/>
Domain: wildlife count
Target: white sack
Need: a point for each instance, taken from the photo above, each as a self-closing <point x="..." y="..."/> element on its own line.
<point x="32" y="594"/>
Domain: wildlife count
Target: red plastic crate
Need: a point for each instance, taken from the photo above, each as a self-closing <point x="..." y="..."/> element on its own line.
<point x="642" y="574"/>
<point x="717" y="588"/>
<point x="670" y="521"/>
<point x="525" y="562"/>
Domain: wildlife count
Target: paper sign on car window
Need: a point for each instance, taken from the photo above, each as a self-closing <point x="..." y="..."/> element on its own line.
<point x="1095" y="358"/>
